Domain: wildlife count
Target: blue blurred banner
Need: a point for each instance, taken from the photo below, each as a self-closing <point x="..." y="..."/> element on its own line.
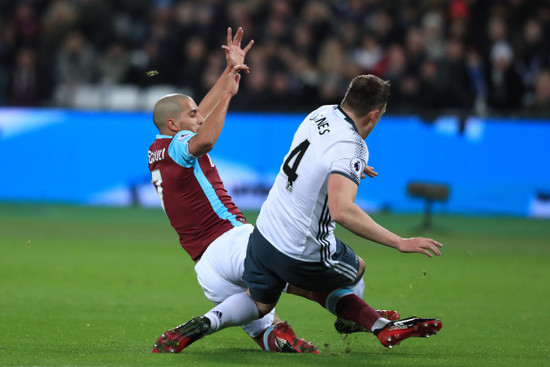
<point x="492" y="166"/>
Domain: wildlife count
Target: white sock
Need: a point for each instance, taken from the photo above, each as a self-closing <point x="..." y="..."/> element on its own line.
<point x="379" y="324"/>
<point x="235" y="310"/>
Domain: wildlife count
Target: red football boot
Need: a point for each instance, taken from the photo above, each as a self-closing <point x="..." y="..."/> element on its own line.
<point x="288" y="342"/>
<point x="180" y="337"/>
<point x="397" y="331"/>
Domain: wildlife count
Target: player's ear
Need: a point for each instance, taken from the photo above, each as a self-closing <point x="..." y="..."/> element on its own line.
<point x="171" y="125"/>
<point x="373" y="115"/>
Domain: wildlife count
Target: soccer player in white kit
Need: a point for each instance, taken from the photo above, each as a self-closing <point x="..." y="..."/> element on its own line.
<point x="294" y="241"/>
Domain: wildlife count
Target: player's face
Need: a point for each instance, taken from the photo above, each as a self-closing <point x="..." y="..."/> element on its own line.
<point x="189" y="117"/>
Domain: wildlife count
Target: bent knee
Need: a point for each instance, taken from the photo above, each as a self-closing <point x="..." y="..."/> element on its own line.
<point x="264" y="309"/>
<point x="361" y="269"/>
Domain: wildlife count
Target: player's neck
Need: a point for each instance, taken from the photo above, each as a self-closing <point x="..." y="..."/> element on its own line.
<point x="168" y="133"/>
<point x="361" y="123"/>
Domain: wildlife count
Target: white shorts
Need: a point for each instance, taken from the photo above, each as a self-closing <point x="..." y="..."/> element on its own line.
<point x="220" y="272"/>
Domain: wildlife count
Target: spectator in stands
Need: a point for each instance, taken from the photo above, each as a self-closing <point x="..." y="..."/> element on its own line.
<point x="210" y="74"/>
<point x="317" y="16"/>
<point x="147" y="59"/>
<point x="456" y="81"/>
<point x="406" y="96"/>
<point x="458" y="29"/>
<point x="76" y="65"/>
<point x="278" y="22"/>
<point x="479" y="87"/>
<point x="95" y="20"/>
<point x="532" y="50"/>
<point x="281" y="92"/>
<point x="26" y="25"/>
<point x="131" y="22"/>
<point x="369" y="55"/>
<point x="255" y="97"/>
<point x="395" y="64"/>
<point x="433" y="33"/>
<point x="240" y="13"/>
<point x="384" y="28"/>
<point x="348" y="33"/>
<point x="497" y="32"/>
<point x="305" y="79"/>
<point x="6" y="50"/>
<point x="192" y="65"/>
<point x="432" y="89"/>
<point x="332" y="58"/>
<point x="303" y="42"/>
<point x="542" y="92"/>
<point x="415" y="51"/>
<point x="29" y="81"/>
<point x="76" y="60"/>
<point x="59" y="19"/>
<point x="504" y="85"/>
<point x="114" y="64"/>
<point x="329" y="90"/>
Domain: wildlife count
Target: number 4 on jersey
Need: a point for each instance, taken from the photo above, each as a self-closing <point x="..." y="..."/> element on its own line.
<point x="290" y="171"/>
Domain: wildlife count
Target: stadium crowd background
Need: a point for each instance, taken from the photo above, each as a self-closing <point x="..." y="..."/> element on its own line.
<point x="472" y="55"/>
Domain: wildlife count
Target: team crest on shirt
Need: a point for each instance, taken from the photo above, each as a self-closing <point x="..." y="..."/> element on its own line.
<point x="356" y="166"/>
<point x="182" y="136"/>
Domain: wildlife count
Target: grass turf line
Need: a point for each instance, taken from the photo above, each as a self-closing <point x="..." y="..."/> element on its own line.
<point x="87" y="286"/>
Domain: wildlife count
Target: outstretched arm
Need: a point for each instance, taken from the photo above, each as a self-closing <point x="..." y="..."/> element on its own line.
<point x="341" y="203"/>
<point x="234" y="55"/>
<point x="212" y="126"/>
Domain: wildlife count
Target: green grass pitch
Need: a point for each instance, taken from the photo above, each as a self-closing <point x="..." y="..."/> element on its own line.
<point x="84" y="286"/>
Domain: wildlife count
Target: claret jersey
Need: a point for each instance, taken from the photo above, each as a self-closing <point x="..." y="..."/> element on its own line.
<point x="295" y="218"/>
<point x="191" y="193"/>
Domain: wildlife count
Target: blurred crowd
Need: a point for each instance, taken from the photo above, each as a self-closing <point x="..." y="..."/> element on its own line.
<point x="491" y="55"/>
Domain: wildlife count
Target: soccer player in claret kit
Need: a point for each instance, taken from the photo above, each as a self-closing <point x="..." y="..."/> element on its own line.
<point x="211" y="228"/>
<point x="294" y="240"/>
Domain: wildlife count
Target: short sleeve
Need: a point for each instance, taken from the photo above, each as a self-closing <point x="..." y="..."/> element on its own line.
<point x="348" y="159"/>
<point x="179" y="149"/>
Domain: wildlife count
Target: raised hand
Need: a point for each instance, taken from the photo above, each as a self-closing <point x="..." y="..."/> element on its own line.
<point x="232" y="86"/>
<point x="234" y="54"/>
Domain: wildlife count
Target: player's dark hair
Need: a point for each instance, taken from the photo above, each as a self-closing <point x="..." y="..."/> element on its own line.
<point x="366" y="93"/>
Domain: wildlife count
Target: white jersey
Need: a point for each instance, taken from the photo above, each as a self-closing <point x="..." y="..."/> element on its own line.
<point x="295" y="218"/>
